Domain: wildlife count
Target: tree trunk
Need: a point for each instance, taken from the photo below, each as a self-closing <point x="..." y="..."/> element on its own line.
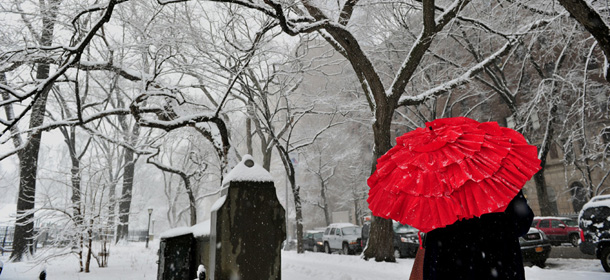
<point x="111" y="199"/>
<point x="28" y="157"/>
<point x="249" y="136"/>
<point x="128" y="173"/>
<point x="192" y="200"/>
<point x="76" y="192"/>
<point x="381" y="237"/>
<point x="357" y="212"/>
<point x="324" y="202"/>
<point x="547" y="207"/>
<point x="267" y="153"/>
<point x="24" y="226"/>
<point x="298" y="210"/>
<point x="90" y="243"/>
<point x="126" y="194"/>
<point x="10" y="114"/>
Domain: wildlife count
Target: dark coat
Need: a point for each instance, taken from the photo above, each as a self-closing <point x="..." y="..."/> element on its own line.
<point x="480" y="248"/>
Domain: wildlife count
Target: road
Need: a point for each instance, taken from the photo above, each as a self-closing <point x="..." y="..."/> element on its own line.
<point x="568" y="252"/>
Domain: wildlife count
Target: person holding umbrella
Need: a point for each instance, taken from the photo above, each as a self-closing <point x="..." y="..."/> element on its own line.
<point x="459" y="181"/>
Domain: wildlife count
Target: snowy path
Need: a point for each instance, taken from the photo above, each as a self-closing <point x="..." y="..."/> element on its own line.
<point x="135" y="262"/>
<point x="125" y="263"/>
<point x="338" y="267"/>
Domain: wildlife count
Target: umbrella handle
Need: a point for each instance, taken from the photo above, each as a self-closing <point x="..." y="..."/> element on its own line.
<point x="417" y="272"/>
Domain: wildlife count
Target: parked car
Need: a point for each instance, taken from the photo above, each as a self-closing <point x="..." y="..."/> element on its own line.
<point x="405" y="241"/>
<point x="535" y="247"/>
<point x="594" y="220"/>
<point x="559" y="229"/>
<point x="312" y="241"/>
<point x="343" y="237"/>
<point x="289" y="245"/>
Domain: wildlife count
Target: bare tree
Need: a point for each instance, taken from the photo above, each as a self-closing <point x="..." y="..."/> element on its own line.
<point x="305" y="17"/>
<point x="187" y="178"/>
<point x="587" y="15"/>
<point x="28" y="151"/>
<point x="75" y="174"/>
<point x="274" y="114"/>
<point x="28" y="157"/>
<point x="323" y="170"/>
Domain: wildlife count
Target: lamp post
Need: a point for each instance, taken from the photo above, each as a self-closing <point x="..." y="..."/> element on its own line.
<point x="148" y="229"/>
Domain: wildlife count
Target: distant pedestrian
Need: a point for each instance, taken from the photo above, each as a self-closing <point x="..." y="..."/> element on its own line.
<point x="485" y="247"/>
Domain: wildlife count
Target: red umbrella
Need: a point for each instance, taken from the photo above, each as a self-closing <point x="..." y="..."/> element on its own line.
<point x="455" y="168"/>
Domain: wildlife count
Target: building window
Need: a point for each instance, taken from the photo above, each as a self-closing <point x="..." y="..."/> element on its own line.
<point x="553" y="151"/>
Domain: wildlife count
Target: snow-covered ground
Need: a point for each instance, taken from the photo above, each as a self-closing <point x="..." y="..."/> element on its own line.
<point x="133" y="261"/>
<point x="323" y="266"/>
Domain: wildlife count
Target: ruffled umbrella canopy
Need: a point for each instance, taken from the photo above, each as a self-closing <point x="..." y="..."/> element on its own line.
<point x="453" y="169"/>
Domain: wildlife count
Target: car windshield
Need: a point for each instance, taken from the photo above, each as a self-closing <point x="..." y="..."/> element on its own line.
<point x="399" y="228"/>
<point x="571" y="223"/>
<point x="317" y="235"/>
<point x="351" y="231"/>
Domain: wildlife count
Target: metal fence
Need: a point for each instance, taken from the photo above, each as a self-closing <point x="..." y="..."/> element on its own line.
<point x="6" y="238"/>
<point x="137" y="235"/>
<point x="7" y="233"/>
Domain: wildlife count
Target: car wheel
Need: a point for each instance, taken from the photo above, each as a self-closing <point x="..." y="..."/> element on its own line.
<point x="326" y="248"/>
<point x="605" y="258"/>
<point x="540" y="263"/>
<point x="316" y="249"/>
<point x="574" y="239"/>
<point x="412" y="253"/>
<point x="397" y="253"/>
<point x="345" y="249"/>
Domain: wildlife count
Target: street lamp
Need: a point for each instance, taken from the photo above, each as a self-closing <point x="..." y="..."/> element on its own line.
<point x="148" y="229"/>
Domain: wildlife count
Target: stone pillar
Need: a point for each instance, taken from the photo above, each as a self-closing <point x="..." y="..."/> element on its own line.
<point x="176" y="258"/>
<point x="247" y="226"/>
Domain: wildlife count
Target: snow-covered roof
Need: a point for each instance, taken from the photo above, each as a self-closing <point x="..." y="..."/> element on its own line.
<point x="553" y="217"/>
<point x="533" y="230"/>
<point x="601" y="197"/>
<point x="219" y="202"/>
<point x="592" y="204"/>
<point x="341" y="225"/>
<point x="176" y="232"/>
<point x="248" y="170"/>
<point x="199" y="230"/>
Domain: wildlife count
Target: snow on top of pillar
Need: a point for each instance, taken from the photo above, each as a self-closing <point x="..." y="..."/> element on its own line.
<point x="248" y="171"/>
<point x="199" y="230"/>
